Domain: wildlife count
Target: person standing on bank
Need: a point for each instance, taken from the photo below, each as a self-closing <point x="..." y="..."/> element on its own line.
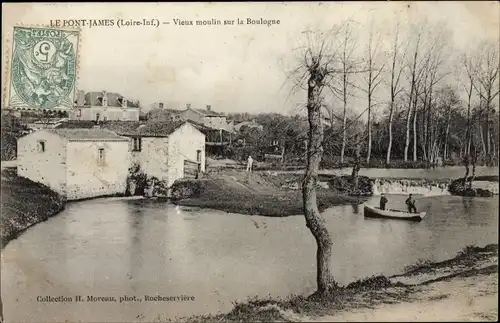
<point x="410" y="203"/>
<point x="383" y="201"/>
<point x="249" y="164"/>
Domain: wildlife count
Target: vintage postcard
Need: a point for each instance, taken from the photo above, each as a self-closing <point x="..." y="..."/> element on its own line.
<point x="253" y="161"/>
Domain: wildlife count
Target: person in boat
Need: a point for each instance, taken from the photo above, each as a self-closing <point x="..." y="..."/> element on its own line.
<point x="410" y="203"/>
<point x="383" y="201"/>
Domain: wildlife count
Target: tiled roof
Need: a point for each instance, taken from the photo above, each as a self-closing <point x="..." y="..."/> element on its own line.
<point x="162" y="114"/>
<point x="122" y="128"/>
<point x="210" y="113"/>
<point x="87" y="134"/>
<point x="157" y="129"/>
<point x="80" y="124"/>
<point x="113" y="99"/>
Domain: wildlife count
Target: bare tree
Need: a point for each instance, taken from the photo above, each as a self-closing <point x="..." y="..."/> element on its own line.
<point x="413" y="73"/>
<point x="373" y="80"/>
<point x="469" y="68"/>
<point x="395" y="87"/>
<point x="487" y="87"/>
<point x="432" y="78"/>
<point x="348" y="65"/>
<point x="320" y="67"/>
<point x="315" y="70"/>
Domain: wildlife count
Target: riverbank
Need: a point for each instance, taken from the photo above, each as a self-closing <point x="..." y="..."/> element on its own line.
<point x="466" y="285"/>
<point x="24" y="203"/>
<point x="483" y="186"/>
<point x="242" y="192"/>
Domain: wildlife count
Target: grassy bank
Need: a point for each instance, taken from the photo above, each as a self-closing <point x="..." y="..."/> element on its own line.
<point x="24" y="203"/>
<point x="473" y="270"/>
<point x="250" y="193"/>
<point x="460" y="186"/>
<point x="334" y="163"/>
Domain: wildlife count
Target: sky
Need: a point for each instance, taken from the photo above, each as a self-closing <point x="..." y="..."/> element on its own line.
<point x="234" y="68"/>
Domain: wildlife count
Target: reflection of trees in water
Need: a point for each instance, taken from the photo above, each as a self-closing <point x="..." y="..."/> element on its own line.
<point x="355" y="208"/>
<point x="136" y="221"/>
<point x="467" y="202"/>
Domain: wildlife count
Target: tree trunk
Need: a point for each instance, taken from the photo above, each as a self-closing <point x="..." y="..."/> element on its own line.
<point x="446" y="134"/>
<point x="424" y="130"/>
<point x="408" y="118"/>
<point x="369" y="152"/>
<point x="415" y="133"/>
<point x="493" y="151"/>
<point x="344" y="124"/>
<point x="482" y="139"/>
<point x="429" y="128"/>
<point x="389" y="146"/>
<point x="412" y="91"/>
<point x="474" y="161"/>
<point x="314" y="220"/>
<point x="468" y="131"/>
<point x="356" y="167"/>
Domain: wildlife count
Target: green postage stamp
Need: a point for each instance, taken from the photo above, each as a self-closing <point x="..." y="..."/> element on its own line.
<point x="43" y="68"/>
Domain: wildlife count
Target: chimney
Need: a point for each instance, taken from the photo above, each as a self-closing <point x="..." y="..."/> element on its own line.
<point x="80" y="98"/>
<point x="104" y="99"/>
<point x="188" y="106"/>
<point x="209" y="107"/>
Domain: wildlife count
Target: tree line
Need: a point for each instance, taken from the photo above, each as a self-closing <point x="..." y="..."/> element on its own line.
<point x="412" y="83"/>
<point x="405" y="95"/>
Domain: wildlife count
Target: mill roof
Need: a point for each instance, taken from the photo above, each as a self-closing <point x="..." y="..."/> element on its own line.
<point x="87" y="134"/>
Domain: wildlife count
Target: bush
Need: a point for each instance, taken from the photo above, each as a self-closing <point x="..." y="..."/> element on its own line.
<point x="186" y="188"/>
<point x="136" y="181"/>
<point x="345" y="185"/>
<point x="460" y="187"/>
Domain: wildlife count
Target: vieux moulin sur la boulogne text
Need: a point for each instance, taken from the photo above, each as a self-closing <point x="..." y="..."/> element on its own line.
<point x="155" y="22"/>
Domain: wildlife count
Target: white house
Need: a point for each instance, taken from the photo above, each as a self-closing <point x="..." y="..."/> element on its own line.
<point x="249" y="124"/>
<point x="207" y="117"/>
<point x="168" y="151"/>
<point x="102" y="106"/>
<point x="77" y="163"/>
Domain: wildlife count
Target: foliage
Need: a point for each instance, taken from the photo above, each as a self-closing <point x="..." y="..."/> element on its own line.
<point x="186" y="188"/>
<point x="24" y="203"/>
<point x="344" y="185"/>
<point x="11" y="130"/>
<point x="460" y="186"/>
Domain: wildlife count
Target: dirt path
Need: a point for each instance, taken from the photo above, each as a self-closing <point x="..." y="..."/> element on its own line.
<point x="460" y="299"/>
<point x="463" y="288"/>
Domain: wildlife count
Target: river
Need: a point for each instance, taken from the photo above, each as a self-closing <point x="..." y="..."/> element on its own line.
<point x="117" y="247"/>
<point x="438" y="173"/>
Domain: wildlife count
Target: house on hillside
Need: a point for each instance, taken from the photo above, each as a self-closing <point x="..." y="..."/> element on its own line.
<point x="164" y="115"/>
<point x="250" y="124"/>
<point x="102" y="106"/>
<point x="49" y="123"/>
<point x="156" y="105"/>
<point x="76" y="163"/>
<point x="207" y="117"/>
<point x="168" y="151"/>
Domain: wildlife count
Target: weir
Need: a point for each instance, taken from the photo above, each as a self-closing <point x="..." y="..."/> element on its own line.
<point x="405" y="186"/>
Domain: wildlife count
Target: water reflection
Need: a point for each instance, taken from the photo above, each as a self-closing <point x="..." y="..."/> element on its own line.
<point x="467" y="202"/>
<point x="137" y="233"/>
<point x="127" y="247"/>
<point x="437" y="173"/>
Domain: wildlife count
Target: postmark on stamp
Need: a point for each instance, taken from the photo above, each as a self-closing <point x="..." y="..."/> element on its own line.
<point x="43" y="68"/>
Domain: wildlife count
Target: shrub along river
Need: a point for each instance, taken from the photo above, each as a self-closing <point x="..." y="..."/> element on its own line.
<point x="121" y="247"/>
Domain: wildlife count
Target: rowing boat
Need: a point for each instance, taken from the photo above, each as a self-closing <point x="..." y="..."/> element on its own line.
<point x="375" y="212"/>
